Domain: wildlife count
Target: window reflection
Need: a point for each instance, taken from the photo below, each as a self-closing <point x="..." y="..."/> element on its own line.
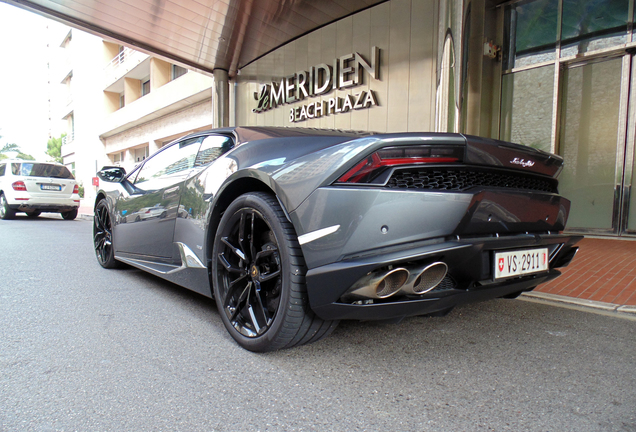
<point x="526" y="109"/>
<point x="592" y="25"/>
<point x="211" y="148"/>
<point x="532" y="27"/>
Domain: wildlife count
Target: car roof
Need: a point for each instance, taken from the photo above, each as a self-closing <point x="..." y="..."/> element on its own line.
<point x="30" y="161"/>
<point x="253" y="133"/>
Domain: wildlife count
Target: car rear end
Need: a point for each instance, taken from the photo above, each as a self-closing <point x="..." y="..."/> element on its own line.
<point x="41" y="187"/>
<point x="419" y="224"/>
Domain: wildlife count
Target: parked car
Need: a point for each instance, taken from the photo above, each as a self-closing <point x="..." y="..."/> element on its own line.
<point x="156" y="211"/>
<point x="35" y="187"/>
<point x="292" y="230"/>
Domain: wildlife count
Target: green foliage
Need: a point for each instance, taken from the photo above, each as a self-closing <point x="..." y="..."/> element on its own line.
<point x="24" y="156"/>
<point x="54" y="148"/>
<point x="9" y="148"/>
<point x="81" y="190"/>
<point x="14" y="148"/>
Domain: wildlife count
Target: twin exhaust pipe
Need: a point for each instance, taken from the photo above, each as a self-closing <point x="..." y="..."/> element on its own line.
<point x="408" y="280"/>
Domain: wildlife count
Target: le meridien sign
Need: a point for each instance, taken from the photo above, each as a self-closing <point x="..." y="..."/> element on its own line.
<point x="346" y="71"/>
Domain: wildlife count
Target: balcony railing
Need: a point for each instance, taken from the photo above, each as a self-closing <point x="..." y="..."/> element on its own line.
<point x="68" y="138"/>
<point x="123" y="62"/>
<point x="68" y="146"/>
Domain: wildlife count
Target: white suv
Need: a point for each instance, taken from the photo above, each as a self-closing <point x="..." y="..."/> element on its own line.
<point x="35" y="187"/>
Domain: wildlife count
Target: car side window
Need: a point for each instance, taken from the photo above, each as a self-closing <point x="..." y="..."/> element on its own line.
<point x="212" y="148"/>
<point x="15" y="168"/>
<point x="2" y="168"/>
<point x="172" y="160"/>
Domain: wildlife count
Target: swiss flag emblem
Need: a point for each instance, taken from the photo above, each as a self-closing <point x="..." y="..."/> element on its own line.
<point x="501" y="264"/>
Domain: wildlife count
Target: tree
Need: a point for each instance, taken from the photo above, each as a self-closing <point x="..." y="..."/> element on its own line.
<point x="14" y="148"/>
<point x="8" y="148"/>
<point x="24" y="156"/>
<point x="54" y="148"/>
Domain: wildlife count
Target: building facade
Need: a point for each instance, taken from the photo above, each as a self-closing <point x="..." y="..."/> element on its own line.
<point x="549" y="74"/>
<point x="122" y="105"/>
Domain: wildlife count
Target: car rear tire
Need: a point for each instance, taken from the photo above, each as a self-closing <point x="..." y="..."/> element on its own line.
<point x="103" y="237"/>
<point x="69" y="215"/>
<point x="33" y="214"/>
<point x="258" y="273"/>
<point x="5" y="211"/>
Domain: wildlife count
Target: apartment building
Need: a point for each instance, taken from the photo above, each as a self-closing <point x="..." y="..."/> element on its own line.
<point x="122" y="105"/>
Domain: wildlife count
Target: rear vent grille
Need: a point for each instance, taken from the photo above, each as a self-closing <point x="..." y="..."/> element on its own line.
<point x="460" y="179"/>
<point x="446" y="284"/>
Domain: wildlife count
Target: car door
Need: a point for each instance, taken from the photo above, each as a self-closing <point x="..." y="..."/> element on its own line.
<point x="147" y="216"/>
<point x="209" y="172"/>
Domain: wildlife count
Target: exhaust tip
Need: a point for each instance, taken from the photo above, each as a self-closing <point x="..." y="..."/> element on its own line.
<point x="426" y="279"/>
<point x="391" y="282"/>
<point x="379" y="285"/>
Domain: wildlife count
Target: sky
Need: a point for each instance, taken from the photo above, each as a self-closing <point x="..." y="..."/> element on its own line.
<point x="24" y="89"/>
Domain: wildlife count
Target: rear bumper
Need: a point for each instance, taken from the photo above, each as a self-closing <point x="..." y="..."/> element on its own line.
<point x="53" y="207"/>
<point x="470" y="268"/>
<point x="56" y="205"/>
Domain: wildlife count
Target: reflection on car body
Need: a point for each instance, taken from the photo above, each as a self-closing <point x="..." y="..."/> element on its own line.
<point x="292" y="230"/>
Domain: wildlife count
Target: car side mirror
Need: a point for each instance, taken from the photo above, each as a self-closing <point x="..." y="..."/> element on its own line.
<point x="112" y="174"/>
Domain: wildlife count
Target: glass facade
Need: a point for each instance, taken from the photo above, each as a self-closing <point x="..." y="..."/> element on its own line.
<point x="532" y="30"/>
<point x="565" y="88"/>
<point x="589" y="131"/>
<point x="526" y="114"/>
<point x="592" y="25"/>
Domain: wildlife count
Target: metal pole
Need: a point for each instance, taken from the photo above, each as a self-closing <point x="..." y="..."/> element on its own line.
<point x="221" y="98"/>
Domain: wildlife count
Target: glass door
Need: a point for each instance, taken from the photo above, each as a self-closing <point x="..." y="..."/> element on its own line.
<point x="594" y="141"/>
<point x="590" y="142"/>
<point x="628" y="204"/>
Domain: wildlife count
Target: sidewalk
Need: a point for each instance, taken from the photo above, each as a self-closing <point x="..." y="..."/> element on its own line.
<point x="602" y="273"/>
<point x="85" y="210"/>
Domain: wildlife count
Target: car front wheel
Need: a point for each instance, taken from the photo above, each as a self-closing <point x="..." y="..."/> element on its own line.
<point x="103" y="236"/>
<point x="5" y="211"/>
<point x="259" y="277"/>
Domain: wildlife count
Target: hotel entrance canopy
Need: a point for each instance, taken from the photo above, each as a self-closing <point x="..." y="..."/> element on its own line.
<point x="204" y="34"/>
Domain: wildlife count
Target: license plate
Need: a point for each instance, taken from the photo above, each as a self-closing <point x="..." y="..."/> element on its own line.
<point x="520" y="262"/>
<point x="50" y="187"/>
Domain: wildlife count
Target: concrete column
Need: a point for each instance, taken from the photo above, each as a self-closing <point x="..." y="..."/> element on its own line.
<point x="153" y="146"/>
<point x="132" y="90"/>
<point x="159" y="73"/>
<point x="129" y="160"/>
<point x="221" y="99"/>
<point x="110" y="51"/>
<point x="111" y="102"/>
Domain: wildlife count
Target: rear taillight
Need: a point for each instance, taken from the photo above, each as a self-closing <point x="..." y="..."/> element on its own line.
<point x="19" y="186"/>
<point x="76" y="189"/>
<point x="373" y="165"/>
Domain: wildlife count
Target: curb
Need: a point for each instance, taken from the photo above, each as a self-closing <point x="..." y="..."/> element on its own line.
<point x="85" y="216"/>
<point x="587" y="304"/>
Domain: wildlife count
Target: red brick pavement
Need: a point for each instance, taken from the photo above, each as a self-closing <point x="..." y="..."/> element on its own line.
<point x="604" y="270"/>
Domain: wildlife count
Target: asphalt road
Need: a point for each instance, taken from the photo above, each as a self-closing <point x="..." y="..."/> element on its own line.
<point x="88" y="349"/>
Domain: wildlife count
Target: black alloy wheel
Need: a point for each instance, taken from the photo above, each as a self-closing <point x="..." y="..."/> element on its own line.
<point x="5" y="211"/>
<point x="259" y="277"/>
<point x="103" y="236"/>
